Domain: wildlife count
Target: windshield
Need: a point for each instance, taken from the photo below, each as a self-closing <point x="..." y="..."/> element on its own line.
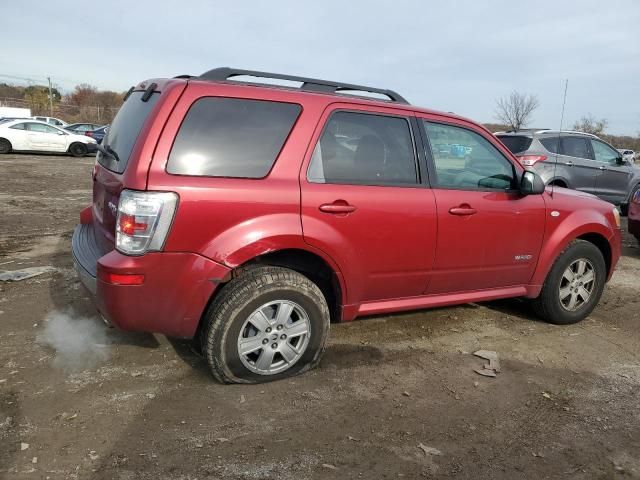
<point x="515" y="143"/>
<point x="124" y="130"/>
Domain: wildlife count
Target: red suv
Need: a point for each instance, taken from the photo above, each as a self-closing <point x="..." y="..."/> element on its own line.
<point x="249" y="216"/>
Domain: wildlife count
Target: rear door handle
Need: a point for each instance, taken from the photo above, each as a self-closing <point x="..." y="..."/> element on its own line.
<point x="337" y="207"/>
<point x="462" y="210"/>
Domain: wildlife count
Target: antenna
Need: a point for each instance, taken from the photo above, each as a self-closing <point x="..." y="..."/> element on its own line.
<point x="555" y="164"/>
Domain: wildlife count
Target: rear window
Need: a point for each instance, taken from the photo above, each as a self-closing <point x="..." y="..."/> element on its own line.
<point x="124" y="130"/>
<point x="515" y="143"/>
<point x="231" y="137"/>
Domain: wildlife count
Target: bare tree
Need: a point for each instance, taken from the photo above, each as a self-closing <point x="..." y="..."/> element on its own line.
<point x="589" y="124"/>
<point x="516" y="109"/>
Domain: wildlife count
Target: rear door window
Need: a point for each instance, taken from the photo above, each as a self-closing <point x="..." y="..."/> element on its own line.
<point x="575" y="147"/>
<point x="364" y="149"/>
<point x="231" y="137"/>
<point x="515" y="143"/>
<point x="125" y="129"/>
<point x="41" y="127"/>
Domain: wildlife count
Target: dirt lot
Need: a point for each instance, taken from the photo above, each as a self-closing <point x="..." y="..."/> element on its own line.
<point x="394" y="397"/>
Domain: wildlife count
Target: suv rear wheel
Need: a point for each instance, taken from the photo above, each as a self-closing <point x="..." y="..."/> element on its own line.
<point x="574" y="285"/>
<point x="268" y="323"/>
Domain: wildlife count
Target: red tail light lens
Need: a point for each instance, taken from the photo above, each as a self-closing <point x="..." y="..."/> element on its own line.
<point x="122" y="278"/>
<point x="530" y="160"/>
<point x="89" y="134"/>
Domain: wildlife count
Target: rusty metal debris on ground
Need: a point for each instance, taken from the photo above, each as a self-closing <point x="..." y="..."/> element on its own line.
<point x="490" y="369"/>
<point x="25" y="273"/>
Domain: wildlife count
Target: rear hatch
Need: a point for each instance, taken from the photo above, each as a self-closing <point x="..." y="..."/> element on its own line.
<point x="110" y="169"/>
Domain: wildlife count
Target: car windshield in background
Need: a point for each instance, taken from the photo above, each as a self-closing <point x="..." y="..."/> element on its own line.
<point x="123" y="132"/>
<point x="515" y="143"/>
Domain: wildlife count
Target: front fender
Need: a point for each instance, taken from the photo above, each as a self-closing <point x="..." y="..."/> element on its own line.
<point x="574" y="225"/>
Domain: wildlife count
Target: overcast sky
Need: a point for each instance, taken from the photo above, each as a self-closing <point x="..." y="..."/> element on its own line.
<point x="455" y="56"/>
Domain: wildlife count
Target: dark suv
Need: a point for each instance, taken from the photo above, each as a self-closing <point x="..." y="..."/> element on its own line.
<point x="576" y="160"/>
<point x="248" y="216"/>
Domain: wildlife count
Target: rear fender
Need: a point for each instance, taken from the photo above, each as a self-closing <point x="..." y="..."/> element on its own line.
<point x="263" y="235"/>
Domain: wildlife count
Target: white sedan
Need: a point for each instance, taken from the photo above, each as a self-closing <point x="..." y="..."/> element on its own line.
<point x="34" y="136"/>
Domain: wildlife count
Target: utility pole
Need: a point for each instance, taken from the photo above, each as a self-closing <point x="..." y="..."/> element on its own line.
<point x="50" y="98"/>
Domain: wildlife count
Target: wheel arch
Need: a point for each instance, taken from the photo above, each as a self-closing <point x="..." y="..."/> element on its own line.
<point x="559" y="182"/>
<point x="8" y="141"/>
<point x="314" y="265"/>
<point x="594" y="230"/>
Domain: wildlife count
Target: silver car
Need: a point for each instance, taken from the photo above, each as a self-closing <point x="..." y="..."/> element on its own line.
<point x="576" y="160"/>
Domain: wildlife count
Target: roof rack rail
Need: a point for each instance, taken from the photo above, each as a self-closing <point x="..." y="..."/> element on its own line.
<point x="223" y="74"/>
<point x="569" y="131"/>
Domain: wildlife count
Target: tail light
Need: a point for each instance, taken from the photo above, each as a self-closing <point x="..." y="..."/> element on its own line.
<point x="530" y="160"/>
<point x="88" y="134"/>
<point x="144" y="220"/>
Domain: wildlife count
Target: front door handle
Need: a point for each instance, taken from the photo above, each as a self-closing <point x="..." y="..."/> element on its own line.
<point x="602" y="167"/>
<point x="337" y="207"/>
<point x="569" y="164"/>
<point x="463" y="209"/>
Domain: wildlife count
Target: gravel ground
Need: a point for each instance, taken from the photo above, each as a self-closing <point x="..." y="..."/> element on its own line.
<point x="395" y="396"/>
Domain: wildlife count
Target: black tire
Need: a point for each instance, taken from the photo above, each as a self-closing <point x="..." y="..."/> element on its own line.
<point x="5" y="146"/>
<point x="548" y="305"/>
<point x="227" y="314"/>
<point x="78" y="149"/>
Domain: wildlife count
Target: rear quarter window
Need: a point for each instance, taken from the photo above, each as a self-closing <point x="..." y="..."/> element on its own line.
<point x="550" y="144"/>
<point x="231" y="137"/>
<point x="515" y="143"/>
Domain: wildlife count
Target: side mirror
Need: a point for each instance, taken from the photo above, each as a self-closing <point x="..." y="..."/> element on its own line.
<point x="620" y="161"/>
<point x="531" y="184"/>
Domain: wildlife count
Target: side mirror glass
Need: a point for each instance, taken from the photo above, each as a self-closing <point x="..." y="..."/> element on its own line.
<point x="531" y="184"/>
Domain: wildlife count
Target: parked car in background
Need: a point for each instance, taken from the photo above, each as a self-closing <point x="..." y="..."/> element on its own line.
<point x="576" y="160"/>
<point x="97" y="134"/>
<point x="628" y="155"/>
<point x="634" y="215"/>
<point x="81" y="128"/>
<point x="33" y="136"/>
<point x="8" y="119"/>
<point x="249" y="216"/>
<point x="52" y="121"/>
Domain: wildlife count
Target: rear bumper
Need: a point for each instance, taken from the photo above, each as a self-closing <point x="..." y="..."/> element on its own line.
<point x="176" y="289"/>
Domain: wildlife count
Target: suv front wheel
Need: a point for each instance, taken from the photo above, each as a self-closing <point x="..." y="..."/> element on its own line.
<point x="574" y="285"/>
<point x="266" y="324"/>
